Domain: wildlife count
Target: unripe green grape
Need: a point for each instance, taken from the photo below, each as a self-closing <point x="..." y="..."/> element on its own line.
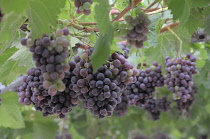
<point x="122" y="26"/>
<point x="129" y="26"/>
<point x="30" y="42"/>
<point x="81" y="8"/>
<point x="123" y="33"/>
<point x="137" y="10"/>
<point x="115" y="25"/>
<point x="86" y="5"/>
<point x="65" y="22"/>
<point x="152" y="68"/>
<point x="61" y="87"/>
<point x="128" y="18"/>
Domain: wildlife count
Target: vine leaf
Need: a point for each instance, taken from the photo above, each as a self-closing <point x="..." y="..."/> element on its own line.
<point x="42" y="14"/>
<point x="102" y="16"/>
<point x="10" y="69"/>
<point x="9" y="32"/>
<point x="102" y="49"/>
<point x="18" y="6"/>
<point x="181" y="10"/>
<point x="102" y="45"/>
<point x="10" y="112"/>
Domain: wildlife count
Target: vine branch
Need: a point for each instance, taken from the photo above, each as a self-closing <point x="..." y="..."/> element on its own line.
<point x="128" y="8"/>
<point x="14" y="84"/>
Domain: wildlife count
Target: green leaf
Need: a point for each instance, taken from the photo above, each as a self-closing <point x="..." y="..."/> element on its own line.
<point x="24" y="57"/>
<point x="18" y="6"/>
<point x="42" y="14"/>
<point x="6" y="55"/>
<point x="102" y="49"/>
<point x="10" y="69"/>
<point x="10" y="31"/>
<point x="206" y="24"/>
<point x="194" y="21"/>
<point x="169" y="45"/>
<point x="102" y="16"/>
<point x="200" y="3"/>
<point x="180" y="10"/>
<point x="10" y="113"/>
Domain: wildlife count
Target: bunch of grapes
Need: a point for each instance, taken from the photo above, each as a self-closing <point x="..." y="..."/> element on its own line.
<point x="33" y="92"/>
<point x="142" y="90"/>
<point x="134" y="29"/>
<point x="178" y="78"/>
<point x="185" y="106"/>
<point x="51" y="54"/>
<point x="83" y="6"/>
<point x="63" y="102"/>
<point x="64" y="136"/>
<point x="155" y="107"/>
<point x="101" y="91"/>
<point x="125" y="49"/>
<point x="122" y="108"/>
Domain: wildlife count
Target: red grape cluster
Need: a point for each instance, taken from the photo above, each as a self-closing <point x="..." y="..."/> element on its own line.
<point x="134" y="29"/>
<point x="122" y="108"/>
<point x="83" y="6"/>
<point x="142" y="90"/>
<point x="178" y="78"/>
<point x="125" y="49"/>
<point x="51" y="54"/>
<point x="185" y="106"/>
<point x="155" y="107"/>
<point x="101" y="91"/>
<point x="33" y="92"/>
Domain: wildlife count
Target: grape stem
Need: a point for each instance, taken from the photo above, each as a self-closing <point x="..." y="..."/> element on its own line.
<point x="180" y="49"/>
<point x="18" y="82"/>
<point x="128" y="8"/>
<point x="166" y="28"/>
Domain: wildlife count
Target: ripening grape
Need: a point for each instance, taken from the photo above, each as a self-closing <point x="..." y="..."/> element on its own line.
<point x="155" y="107"/>
<point x="48" y="101"/>
<point x="101" y="91"/>
<point x="179" y="76"/>
<point x="134" y="29"/>
<point x="50" y="54"/>
<point x="142" y="90"/>
<point x="83" y="6"/>
<point x="186" y="106"/>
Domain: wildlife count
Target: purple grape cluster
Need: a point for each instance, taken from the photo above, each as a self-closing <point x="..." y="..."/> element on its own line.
<point x="122" y="108"/>
<point x="155" y="107"/>
<point x="142" y="90"/>
<point x="64" y="136"/>
<point x="101" y="91"/>
<point x="33" y="92"/>
<point x="51" y="54"/>
<point x="185" y="106"/>
<point x="125" y="49"/>
<point x="134" y="29"/>
<point x="179" y="76"/>
<point x="83" y="6"/>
